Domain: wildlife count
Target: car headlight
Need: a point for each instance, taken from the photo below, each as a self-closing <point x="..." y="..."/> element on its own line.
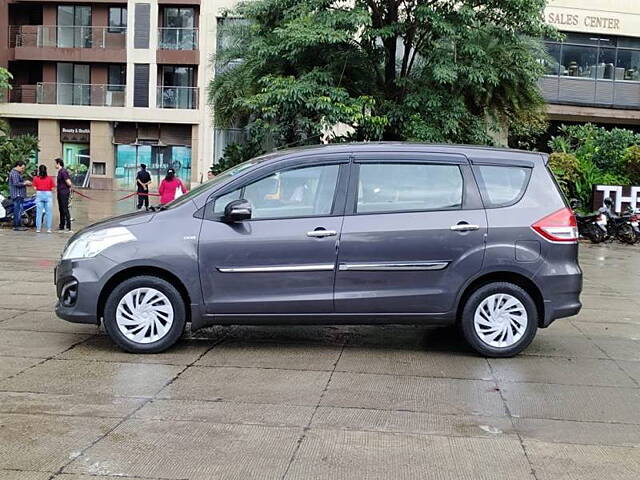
<point x="92" y="243"/>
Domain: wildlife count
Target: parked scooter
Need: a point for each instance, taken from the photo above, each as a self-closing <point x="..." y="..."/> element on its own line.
<point x="618" y="226"/>
<point x="588" y="226"/>
<point x="28" y="211"/>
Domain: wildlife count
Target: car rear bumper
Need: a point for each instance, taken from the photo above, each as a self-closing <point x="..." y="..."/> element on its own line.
<point x="561" y="294"/>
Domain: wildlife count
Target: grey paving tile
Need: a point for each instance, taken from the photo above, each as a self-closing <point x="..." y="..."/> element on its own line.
<point x="86" y="404"/>
<point x="568" y="402"/>
<point x="396" y="361"/>
<point x="28" y="302"/>
<point x="615" y="305"/>
<point x="548" y="343"/>
<point x="197" y="451"/>
<point x="75" y="377"/>
<point x="629" y="331"/>
<point x="553" y="461"/>
<point x="569" y="371"/>
<point x="45" y="442"/>
<point x="12" y="365"/>
<point x="411" y="422"/>
<point x="587" y="433"/>
<point x="434" y="395"/>
<point x="23" y="475"/>
<point x="6" y="314"/>
<point x="270" y="355"/>
<point x="226" y="412"/>
<point x="344" y="454"/>
<point x="37" y="344"/>
<point x="606" y="316"/>
<point x="251" y="385"/>
<point x="101" y="348"/>
<point x="631" y="368"/>
<point x="619" y="348"/>
<point x="45" y="322"/>
<point x="44" y="287"/>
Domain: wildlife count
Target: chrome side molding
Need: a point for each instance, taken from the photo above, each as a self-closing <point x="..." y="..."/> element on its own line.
<point x="323" y="267"/>
<point x="405" y="266"/>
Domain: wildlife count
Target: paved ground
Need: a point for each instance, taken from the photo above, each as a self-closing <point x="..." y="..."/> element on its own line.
<point x="309" y="402"/>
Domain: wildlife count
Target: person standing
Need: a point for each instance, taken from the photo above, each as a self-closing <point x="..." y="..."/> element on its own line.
<point x="44" y="185"/>
<point x="169" y="186"/>
<point x="17" y="192"/>
<point x="64" y="192"/>
<point x="143" y="180"/>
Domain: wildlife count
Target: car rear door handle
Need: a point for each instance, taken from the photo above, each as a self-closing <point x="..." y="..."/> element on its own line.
<point x="464" y="227"/>
<point x="321" y="232"/>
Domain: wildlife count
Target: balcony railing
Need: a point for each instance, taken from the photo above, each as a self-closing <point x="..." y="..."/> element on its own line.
<point x="64" y="36"/>
<point x="172" y="38"/>
<point x="177" y="97"/>
<point x="81" y="94"/>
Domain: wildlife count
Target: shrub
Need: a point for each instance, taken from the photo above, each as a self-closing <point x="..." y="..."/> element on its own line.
<point x="631" y="161"/>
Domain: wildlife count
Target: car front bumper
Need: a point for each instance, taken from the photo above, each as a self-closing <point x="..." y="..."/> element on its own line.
<point x="83" y="280"/>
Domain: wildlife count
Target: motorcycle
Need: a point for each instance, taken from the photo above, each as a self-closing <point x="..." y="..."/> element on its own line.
<point x="590" y="226"/>
<point x="28" y="211"/>
<point x="619" y="226"/>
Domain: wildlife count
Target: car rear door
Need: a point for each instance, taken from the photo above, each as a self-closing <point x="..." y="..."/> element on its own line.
<point x="283" y="259"/>
<point x="413" y="233"/>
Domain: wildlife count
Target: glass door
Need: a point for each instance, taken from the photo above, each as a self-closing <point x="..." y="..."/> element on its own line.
<point x="74" y="26"/>
<point x="177" y="87"/>
<point x="73" y="81"/>
<point x="178" y="31"/>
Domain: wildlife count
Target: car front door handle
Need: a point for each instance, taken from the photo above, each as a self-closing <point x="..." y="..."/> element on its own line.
<point x="321" y="233"/>
<point x="464" y="227"/>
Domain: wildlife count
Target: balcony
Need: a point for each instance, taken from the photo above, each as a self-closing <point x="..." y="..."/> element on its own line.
<point x="68" y="43"/>
<point x="178" y="97"/>
<point x="615" y="93"/>
<point x="173" y="38"/>
<point x="80" y="94"/>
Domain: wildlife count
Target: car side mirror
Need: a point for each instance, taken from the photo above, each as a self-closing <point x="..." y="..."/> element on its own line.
<point x="237" y="210"/>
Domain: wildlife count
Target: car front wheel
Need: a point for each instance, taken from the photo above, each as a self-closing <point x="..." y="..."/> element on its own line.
<point x="145" y="314"/>
<point x="499" y="320"/>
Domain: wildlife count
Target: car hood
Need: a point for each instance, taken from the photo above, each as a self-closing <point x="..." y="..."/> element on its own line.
<point x="126" y="220"/>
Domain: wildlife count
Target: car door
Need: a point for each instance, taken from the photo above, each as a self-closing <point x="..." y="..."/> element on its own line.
<point x="282" y="260"/>
<point x="413" y="233"/>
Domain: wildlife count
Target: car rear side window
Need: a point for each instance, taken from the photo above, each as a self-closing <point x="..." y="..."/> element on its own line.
<point x="502" y="186"/>
<point x="401" y="187"/>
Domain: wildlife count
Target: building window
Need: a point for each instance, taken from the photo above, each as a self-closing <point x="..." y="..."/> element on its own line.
<point x="117" y="20"/>
<point x="74" y="26"/>
<point x="178" y="30"/>
<point x="117" y="77"/>
<point x="595" y="57"/>
<point x="176" y="87"/>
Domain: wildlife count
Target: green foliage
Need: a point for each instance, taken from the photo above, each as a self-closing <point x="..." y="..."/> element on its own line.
<point x="236" y="153"/>
<point x="77" y="169"/>
<point x="603" y="157"/>
<point x="5" y="83"/>
<point x="13" y="149"/>
<point x="383" y="69"/>
<point x="566" y="168"/>
<point x="631" y="161"/>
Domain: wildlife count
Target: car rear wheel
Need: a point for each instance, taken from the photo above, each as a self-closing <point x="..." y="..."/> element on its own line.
<point x="499" y="320"/>
<point x="145" y="315"/>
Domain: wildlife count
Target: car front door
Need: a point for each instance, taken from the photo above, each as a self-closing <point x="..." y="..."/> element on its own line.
<point x="282" y="260"/>
<point x="413" y="233"/>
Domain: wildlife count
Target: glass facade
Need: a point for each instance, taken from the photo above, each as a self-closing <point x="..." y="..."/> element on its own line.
<point x="157" y="159"/>
<point x="595" y="57"/>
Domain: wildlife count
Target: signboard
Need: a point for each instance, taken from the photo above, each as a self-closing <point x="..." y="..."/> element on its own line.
<point x="593" y="17"/>
<point x="622" y="197"/>
<point x="75" y="132"/>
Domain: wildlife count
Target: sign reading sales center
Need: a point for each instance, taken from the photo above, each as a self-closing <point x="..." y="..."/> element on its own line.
<point x="607" y="17"/>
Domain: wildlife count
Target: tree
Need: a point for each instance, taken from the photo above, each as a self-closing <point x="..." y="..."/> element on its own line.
<point x="5" y="83"/>
<point x="12" y="148"/>
<point x="429" y="70"/>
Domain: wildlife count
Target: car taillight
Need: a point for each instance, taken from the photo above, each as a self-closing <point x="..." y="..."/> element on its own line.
<point x="560" y="226"/>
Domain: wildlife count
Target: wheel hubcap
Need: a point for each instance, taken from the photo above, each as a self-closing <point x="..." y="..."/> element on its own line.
<point x="500" y="320"/>
<point x="144" y="315"/>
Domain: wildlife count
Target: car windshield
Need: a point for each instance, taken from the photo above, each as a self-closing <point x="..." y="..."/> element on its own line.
<point x="222" y="177"/>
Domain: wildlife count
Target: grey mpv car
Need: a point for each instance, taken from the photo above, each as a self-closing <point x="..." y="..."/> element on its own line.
<point x="339" y="234"/>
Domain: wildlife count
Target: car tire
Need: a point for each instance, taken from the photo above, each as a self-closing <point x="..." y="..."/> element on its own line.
<point x="501" y="310"/>
<point x="145" y="314"/>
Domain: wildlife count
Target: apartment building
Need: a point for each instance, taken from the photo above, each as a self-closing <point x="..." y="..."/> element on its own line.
<point x="108" y="85"/>
<point x="594" y="75"/>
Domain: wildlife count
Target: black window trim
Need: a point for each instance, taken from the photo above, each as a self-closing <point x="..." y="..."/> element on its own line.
<point x="339" y="195"/>
<point x="483" y="189"/>
<point x="122" y="28"/>
<point x="352" y="200"/>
